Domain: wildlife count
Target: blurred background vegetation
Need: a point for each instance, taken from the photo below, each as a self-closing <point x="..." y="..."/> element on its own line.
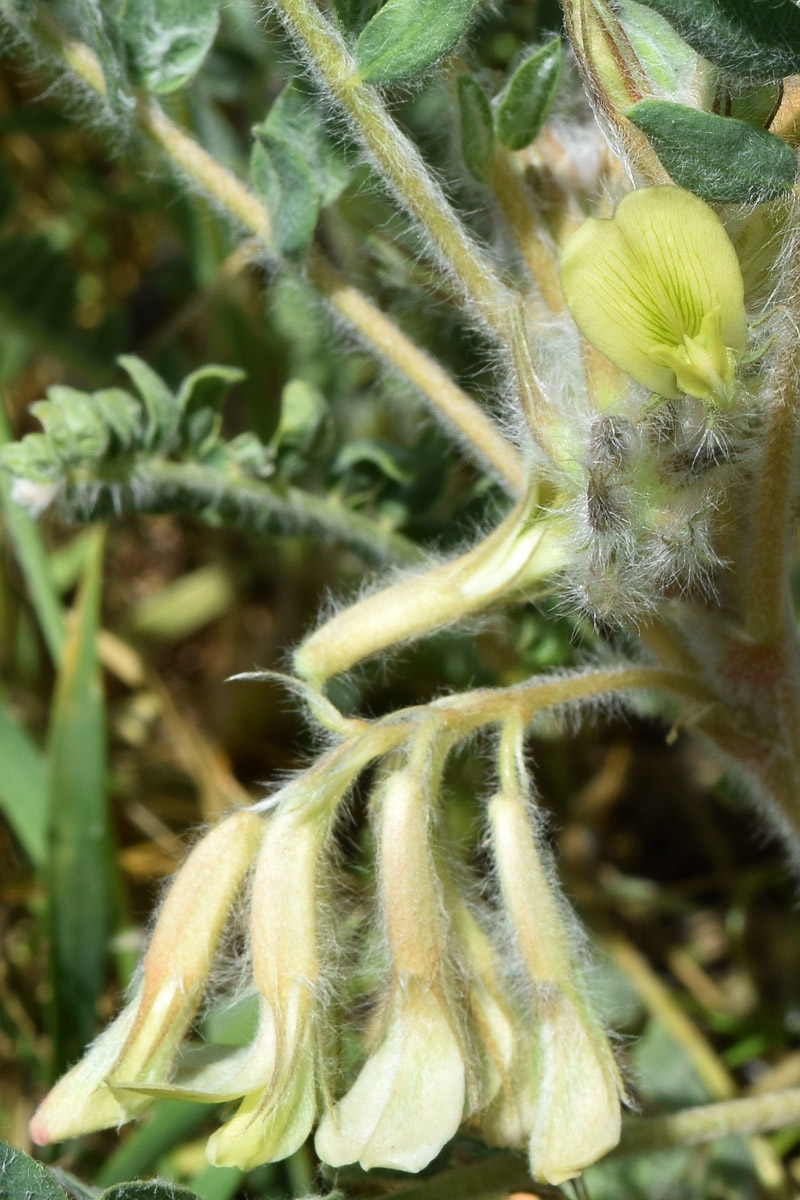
<point x="119" y="737"/>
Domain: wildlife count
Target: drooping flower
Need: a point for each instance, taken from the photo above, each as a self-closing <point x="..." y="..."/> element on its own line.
<point x="408" y="1100"/>
<point x="140" y="1047"/>
<point x="278" y="1109"/>
<point x="658" y="290"/>
<point x="573" y="1110"/>
<point x="576" y="1116"/>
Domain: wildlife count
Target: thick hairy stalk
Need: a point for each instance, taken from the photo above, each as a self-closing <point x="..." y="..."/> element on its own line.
<point x="470" y="424"/>
<point x="485" y="296"/>
<point x="767" y="597"/>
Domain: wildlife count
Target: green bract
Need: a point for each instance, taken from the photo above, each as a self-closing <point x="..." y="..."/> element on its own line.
<point x="406" y="37"/>
<point x="756" y="39"/>
<point x="721" y="159"/>
<point x="526" y="102"/>
<point x="658" y="290"/>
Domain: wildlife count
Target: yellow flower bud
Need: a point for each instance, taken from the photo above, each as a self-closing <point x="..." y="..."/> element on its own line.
<point x="490" y="1010"/>
<point x="576" y="1117"/>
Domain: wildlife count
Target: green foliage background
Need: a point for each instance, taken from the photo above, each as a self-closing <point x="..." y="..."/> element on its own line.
<point x="116" y="747"/>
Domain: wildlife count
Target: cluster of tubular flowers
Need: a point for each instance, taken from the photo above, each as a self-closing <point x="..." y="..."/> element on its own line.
<point x="480" y="1018"/>
<point x="648" y="449"/>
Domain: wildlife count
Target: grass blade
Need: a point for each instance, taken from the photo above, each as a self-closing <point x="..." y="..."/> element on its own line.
<point x="80" y="893"/>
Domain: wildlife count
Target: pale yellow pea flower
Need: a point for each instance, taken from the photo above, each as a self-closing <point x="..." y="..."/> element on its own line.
<point x="658" y="290"/>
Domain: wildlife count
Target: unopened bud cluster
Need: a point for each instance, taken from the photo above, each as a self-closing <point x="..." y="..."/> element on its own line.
<point x="478" y="1014"/>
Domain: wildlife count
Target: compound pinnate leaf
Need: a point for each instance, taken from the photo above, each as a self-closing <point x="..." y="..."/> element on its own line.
<point x="720" y="159"/>
<point x="756" y="39"/>
<point x="477" y="128"/>
<point x="406" y="37"/>
<point x="526" y="101"/>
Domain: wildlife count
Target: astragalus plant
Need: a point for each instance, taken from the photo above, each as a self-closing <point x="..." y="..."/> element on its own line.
<point x="611" y="229"/>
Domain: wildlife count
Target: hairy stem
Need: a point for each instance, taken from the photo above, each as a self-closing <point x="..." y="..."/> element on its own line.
<point x="398" y="160"/>
<point x="766" y="591"/>
<point x="470" y="423"/>
<point x="253" y="506"/>
<point x="509" y="192"/>
<point x="692" y="1126"/>
<point x="485" y="296"/>
<point x="488" y="706"/>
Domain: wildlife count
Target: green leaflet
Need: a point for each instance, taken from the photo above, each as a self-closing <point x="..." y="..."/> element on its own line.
<point x="199" y="402"/>
<point x="296" y="167"/>
<point x="295" y="117"/>
<point x="304" y="428"/>
<point x="389" y="460"/>
<point x="477" y="128"/>
<point x="22" y="1177"/>
<point x="153" y="1189"/>
<point x="754" y="39"/>
<point x="720" y="159"/>
<point x="353" y="15"/>
<point x="284" y="180"/>
<point x="407" y="37"/>
<point x="167" y="40"/>
<point x="526" y="101"/>
<point x="78" y="874"/>
<point x="159" y="403"/>
<point x="72" y="424"/>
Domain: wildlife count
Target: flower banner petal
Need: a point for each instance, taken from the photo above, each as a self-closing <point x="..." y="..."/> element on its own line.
<point x="648" y="277"/>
